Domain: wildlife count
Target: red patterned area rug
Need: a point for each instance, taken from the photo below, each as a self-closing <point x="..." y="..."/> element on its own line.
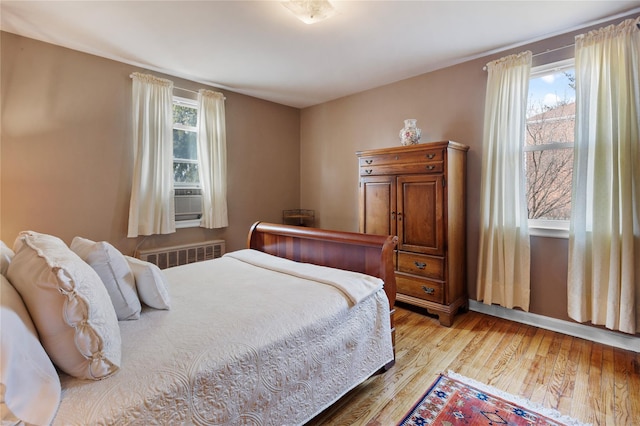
<point x="457" y="400"/>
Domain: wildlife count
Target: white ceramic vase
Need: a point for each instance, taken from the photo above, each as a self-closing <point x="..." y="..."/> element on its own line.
<point x="410" y="134"/>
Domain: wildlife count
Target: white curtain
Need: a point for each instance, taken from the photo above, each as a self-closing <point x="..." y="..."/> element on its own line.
<point x="604" y="240"/>
<point x="151" y="209"/>
<point x="504" y="253"/>
<point x="212" y="154"/>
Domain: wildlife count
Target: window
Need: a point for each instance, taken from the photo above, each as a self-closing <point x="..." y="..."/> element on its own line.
<point x="188" y="198"/>
<point x="185" y="137"/>
<point x="548" y="150"/>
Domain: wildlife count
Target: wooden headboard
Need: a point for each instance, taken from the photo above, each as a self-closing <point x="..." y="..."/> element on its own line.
<point x="365" y="253"/>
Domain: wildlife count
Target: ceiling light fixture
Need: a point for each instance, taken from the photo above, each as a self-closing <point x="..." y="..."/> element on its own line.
<point x="310" y="11"/>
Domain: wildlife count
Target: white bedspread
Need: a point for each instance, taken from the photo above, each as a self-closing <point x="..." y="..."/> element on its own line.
<point x="241" y="345"/>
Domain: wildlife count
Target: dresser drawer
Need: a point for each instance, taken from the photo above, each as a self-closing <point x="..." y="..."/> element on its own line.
<point x="421" y="288"/>
<point x="402" y="157"/>
<point x="421" y="264"/>
<point x="402" y="168"/>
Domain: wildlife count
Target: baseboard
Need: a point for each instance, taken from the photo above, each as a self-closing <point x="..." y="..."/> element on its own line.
<point x="611" y="338"/>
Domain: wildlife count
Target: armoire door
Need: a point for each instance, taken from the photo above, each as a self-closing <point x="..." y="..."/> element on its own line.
<point x="420" y="214"/>
<point x="377" y="205"/>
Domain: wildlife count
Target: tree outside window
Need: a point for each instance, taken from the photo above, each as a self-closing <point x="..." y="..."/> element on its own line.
<point x="185" y="136"/>
<point x="549" y="143"/>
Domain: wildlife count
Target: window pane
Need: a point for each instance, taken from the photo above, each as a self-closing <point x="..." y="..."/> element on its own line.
<point x="185" y="151"/>
<point x="550" y="90"/>
<point x="549" y="174"/>
<point x="185" y="145"/>
<point x="554" y="125"/>
<point x="550" y="120"/>
<point x="185" y="173"/>
<point x="185" y="115"/>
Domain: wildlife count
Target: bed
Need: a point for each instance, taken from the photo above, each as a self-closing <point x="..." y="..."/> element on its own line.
<point x="251" y="338"/>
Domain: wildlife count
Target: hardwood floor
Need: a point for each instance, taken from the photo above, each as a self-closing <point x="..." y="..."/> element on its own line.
<point x="591" y="382"/>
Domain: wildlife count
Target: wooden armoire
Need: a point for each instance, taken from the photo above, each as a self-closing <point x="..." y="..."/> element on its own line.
<point x="417" y="192"/>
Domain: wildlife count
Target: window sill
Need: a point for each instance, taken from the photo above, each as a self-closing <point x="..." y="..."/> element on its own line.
<point x="194" y="223"/>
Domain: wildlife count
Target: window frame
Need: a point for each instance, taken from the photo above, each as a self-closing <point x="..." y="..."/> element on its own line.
<point x="549" y="227"/>
<point x="192" y="223"/>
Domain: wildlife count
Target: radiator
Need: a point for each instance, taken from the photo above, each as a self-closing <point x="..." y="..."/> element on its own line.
<point x="166" y="257"/>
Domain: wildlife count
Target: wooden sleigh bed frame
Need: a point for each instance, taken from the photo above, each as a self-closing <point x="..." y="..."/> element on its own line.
<point x="364" y="253"/>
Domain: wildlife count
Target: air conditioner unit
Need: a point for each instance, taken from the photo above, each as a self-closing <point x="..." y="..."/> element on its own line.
<point x="188" y="204"/>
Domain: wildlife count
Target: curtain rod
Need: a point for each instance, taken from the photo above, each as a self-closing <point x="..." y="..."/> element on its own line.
<point x="165" y="81"/>
<point x="554" y="50"/>
<point x="193" y="91"/>
<point x="545" y="52"/>
<point x="186" y="90"/>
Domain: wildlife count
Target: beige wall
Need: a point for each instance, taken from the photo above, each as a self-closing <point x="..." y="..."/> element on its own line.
<point x="66" y="159"/>
<point x="449" y="105"/>
<point x="66" y="156"/>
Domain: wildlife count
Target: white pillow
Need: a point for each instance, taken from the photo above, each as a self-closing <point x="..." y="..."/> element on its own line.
<point x="6" y="254"/>
<point x="69" y="306"/>
<point x="115" y="273"/>
<point x="30" y="387"/>
<point x="151" y="283"/>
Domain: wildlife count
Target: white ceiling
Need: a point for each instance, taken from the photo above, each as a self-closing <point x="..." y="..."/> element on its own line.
<point x="260" y="49"/>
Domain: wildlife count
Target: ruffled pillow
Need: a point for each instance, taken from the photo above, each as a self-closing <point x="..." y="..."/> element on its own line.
<point x="115" y="273"/>
<point x="151" y="283"/>
<point x="69" y="306"/>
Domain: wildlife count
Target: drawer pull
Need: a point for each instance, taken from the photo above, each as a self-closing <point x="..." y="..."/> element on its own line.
<point x="368" y="171"/>
<point x="420" y="265"/>
<point x="430" y="167"/>
<point x="368" y="161"/>
<point x="430" y="156"/>
<point x="428" y="290"/>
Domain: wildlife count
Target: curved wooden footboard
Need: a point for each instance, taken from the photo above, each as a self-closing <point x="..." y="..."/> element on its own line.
<point x="365" y="253"/>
